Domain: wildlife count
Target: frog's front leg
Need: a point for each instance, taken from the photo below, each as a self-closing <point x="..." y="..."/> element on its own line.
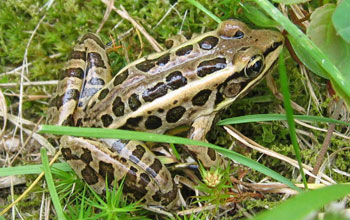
<point x="199" y="129"/>
<point x="97" y="72"/>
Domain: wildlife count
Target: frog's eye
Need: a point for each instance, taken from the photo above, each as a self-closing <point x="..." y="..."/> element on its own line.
<point x="254" y="67"/>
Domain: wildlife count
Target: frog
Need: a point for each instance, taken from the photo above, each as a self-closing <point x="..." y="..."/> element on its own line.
<point x="190" y="83"/>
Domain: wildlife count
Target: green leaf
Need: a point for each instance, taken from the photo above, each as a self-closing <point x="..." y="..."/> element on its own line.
<point x="289" y="113"/>
<point x="206" y="11"/>
<point x="143" y="136"/>
<point x="278" y="117"/>
<point x="290" y="2"/>
<point x="257" y="16"/>
<point x="30" y="169"/>
<point x="323" y="34"/>
<point x="300" y="206"/>
<point x="51" y="185"/>
<point x="306" y="59"/>
<point x="341" y="20"/>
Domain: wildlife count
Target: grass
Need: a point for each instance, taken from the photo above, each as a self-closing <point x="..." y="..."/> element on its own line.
<point x="48" y="49"/>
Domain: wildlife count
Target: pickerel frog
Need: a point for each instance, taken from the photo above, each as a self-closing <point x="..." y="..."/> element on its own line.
<point x="185" y="85"/>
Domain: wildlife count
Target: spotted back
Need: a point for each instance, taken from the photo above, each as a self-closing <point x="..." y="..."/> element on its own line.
<point x="172" y="88"/>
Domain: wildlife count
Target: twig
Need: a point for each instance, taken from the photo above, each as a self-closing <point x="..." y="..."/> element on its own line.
<point x="194" y="210"/>
<point x="270" y="82"/>
<point x="39" y="83"/>
<point x="39" y="138"/>
<point x="3" y="109"/>
<point x="166" y="14"/>
<point x="25" y="62"/>
<point x="326" y="141"/>
<point x="310" y="88"/>
<point x="106" y="15"/>
<point x="183" y="21"/>
<point x="30" y="97"/>
<point x="26" y="142"/>
<point x="321" y="129"/>
<point x="341" y="172"/>
<point x="124" y="14"/>
<point x="18" y="69"/>
<point x="331" y="157"/>
<point x="250" y="143"/>
<point x="141" y="43"/>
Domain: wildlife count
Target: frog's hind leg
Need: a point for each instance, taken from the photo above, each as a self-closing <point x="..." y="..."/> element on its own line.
<point x="85" y="73"/>
<point x="146" y="178"/>
<point x="146" y="163"/>
<point x="97" y="72"/>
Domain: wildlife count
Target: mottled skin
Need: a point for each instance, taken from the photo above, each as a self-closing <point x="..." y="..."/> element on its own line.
<point x="185" y="85"/>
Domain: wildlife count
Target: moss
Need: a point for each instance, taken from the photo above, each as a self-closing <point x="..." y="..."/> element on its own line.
<point x="65" y="21"/>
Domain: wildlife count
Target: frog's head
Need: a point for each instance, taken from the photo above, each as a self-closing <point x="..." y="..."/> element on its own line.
<point x="253" y="56"/>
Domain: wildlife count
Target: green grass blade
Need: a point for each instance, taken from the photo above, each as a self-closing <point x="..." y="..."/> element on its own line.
<point x="300" y="206"/>
<point x="341" y="84"/>
<point x="51" y="185"/>
<point x="278" y="117"/>
<point x="30" y="169"/>
<point x="257" y="16"/>
<point x="289" y="114"/>
<point x="206" y="11"/>
<point x="143" y="136"/>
